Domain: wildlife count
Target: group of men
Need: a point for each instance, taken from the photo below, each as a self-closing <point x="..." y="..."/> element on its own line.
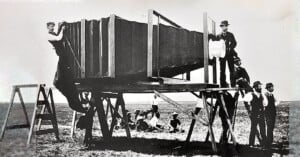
<point x="261" y="107"/>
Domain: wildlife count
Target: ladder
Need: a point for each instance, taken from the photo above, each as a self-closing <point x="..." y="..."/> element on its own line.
<point x="44" y="103"/>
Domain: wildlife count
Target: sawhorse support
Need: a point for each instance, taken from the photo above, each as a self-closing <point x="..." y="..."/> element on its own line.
<point x="218" y="93"/>
<point x="44" y="103"/>
<point x="98" y="105"/>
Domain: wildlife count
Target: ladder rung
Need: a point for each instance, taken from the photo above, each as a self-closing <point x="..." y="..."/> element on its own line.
<point x="18" y="126"/>
<point x="41" y="102"/>
<point x="46" y="131"/>
<point x="44" y="116"/>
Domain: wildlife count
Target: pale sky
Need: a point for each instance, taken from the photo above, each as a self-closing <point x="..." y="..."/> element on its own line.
<point x="264" y="30"/>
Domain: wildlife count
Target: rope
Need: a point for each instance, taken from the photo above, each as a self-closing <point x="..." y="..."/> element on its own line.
<point x="72" y="51"/>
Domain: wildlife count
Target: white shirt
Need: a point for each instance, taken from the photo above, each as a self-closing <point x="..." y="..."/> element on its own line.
<point x="52" y="37"/>
<point x="155" y="102"/>
<point x="275" y="98"/>
<point x="249" y="97"/>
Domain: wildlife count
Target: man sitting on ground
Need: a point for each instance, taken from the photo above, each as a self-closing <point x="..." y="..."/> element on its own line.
<point x="175" y="124"/>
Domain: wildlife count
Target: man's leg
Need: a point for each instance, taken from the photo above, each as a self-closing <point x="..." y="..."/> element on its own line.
<point x="262" y="128"/>
<point x="223" y="72"/>
<point x="230" y="61"/>
<point x="270" y="127"/>
<point x="253" y="130"/>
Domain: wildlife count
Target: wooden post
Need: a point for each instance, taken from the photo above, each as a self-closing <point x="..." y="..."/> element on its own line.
<point x="205" y="45"/>
<point x="157" y="48"/>
<point x="82" y="59"/>
<point x="122" y="103"/>
<point x="23" y="106"/>
<point x="102" y="118"/>
<point x="227" y="119"/>
<point x="212" y="137"/>
<point x="111" y="46"/>
<point x="215" y="59"/>
<point x="8" y="112"/>
<point x="150" y="44"/>
<point x="100" y="49"/>
<point x="33" y="115"/>
<point x="73" y="127"/>
<point x="114" y="115"/>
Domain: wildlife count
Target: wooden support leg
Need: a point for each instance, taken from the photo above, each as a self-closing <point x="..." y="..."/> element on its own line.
<point x="102" y="118"/>
<point x="114" y="115"/>
<point x="89" y="120"/>
<point x="215" y="108"/>
<point x="54" y="119"/>
<point x="227" y="119"/>
<point x="40" y="120"/>
<point x="122" y="103"/>
<point x="210" y="129"/>
<point x="23" y="106"/>
<point x="190" y="131"/>
<point x="8" y="112"/>
<point x="73" y="123"/>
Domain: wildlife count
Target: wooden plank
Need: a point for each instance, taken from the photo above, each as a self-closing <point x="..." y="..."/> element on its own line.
<point x="180" y="107"/>
<point x="73" y="127"/>
<point x="26" y="86"/>
<point x="210" y="129"/>
<point x="122" y="103"/>
<point x="150" y="44"/>
<point x="102" y="118"/>
<point x="100" y="49"/>
<point x="13" y="93"/>
<point x="214" y="60"/>
<point x="23" y="106"/>
<point x="20" y="126"/>
<point x="205" y="45"/>
<point x="227" y="119"/>
<point x="114" y="115"/>
<point x="82" y="49"/>
<point x="46" y="131"/>
<point x="33" y="116"/>
<point x="91" y="51"/>
<point x="111" y="46"/>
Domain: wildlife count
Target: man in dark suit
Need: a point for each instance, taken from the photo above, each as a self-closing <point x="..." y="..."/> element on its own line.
<point x="256" y="101"/>
<point x="241" y="77"/>
<point x="230" y="44"/>
<point x="63" y="80"/>
<point x="270" y="113"/>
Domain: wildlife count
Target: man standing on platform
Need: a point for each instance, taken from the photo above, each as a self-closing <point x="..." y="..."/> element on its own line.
<point x="63" y="80"/>
<point x="256" y="101"/>
<point x="270" y="113"/>
<point x="230" y="44"/>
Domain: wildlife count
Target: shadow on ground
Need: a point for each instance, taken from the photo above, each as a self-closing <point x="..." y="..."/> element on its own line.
<point x="173" y="147"/>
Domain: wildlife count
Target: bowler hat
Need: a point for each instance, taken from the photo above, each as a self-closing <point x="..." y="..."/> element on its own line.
<point x="174" y="113"/>
<point x="256" y="83"/>
<point x="268" y="85"/>
<point x="224" y="23"/>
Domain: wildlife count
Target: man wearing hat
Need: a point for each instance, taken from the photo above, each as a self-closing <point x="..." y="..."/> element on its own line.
<point x="270" y="113"/>
<point x="174" y="123"/>
<point x="230" y="44"/>
<point x="256" y="101"/>
<point x="241" y="76"/>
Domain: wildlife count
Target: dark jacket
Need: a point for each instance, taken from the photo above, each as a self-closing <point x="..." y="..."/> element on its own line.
<point x="241" y="72"/>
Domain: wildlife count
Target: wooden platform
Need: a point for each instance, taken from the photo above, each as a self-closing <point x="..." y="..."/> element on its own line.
<point x="146" y="87"/>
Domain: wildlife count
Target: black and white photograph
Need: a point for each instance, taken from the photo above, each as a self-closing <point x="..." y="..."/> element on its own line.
<point x="97" y="78"/>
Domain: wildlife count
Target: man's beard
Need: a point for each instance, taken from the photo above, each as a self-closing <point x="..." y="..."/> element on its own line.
<point x="258" y="90"/>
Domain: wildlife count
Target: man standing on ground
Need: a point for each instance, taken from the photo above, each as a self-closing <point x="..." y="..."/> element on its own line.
<point x="256" y="101"/>
<point x="63" y="80"/>
<point x="270" y="113"/>
<point x="230" y="44"/>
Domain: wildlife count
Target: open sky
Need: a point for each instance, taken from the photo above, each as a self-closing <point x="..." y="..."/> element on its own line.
<point x="264" y="29"/>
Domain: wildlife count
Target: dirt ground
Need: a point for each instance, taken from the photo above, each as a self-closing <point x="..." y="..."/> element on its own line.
<point x="147" y="143"/>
